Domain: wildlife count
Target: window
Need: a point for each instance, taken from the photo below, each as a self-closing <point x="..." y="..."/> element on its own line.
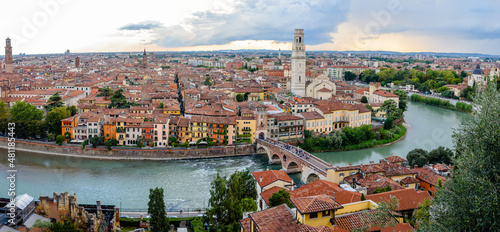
<point x="313" y="215"/>
<point x="326" y="213"/>
<point x="341" y="175"/>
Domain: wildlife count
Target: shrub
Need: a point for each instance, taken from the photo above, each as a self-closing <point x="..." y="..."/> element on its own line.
<point x="397" y="130"/>
<point x="377" y="135"/>
<point x="389" y="123"/>
<point x="59" y="139"/>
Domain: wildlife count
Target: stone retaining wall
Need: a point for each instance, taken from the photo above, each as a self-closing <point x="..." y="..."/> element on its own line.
<point x="130" y="153"/>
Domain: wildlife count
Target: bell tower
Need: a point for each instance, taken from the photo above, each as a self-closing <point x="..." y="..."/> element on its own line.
<point x="144" y="59"/>
<point x="298" y="81"/>
<point x="8" y="56"/>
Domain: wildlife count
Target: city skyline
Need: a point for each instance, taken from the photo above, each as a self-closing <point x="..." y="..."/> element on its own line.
<point x="52" y="26"/>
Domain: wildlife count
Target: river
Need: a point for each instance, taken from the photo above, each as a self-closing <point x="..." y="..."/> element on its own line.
<point x="187" y="182"/>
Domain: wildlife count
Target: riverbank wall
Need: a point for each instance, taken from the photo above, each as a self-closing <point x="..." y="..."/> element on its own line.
<point x="129" y="153"/>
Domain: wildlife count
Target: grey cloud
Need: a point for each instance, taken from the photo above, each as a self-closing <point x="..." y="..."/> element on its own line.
<point x="148" y="25"/>
<point x="258" y="20"/>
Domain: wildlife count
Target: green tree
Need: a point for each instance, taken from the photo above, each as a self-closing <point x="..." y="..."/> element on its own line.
<point x="349" y="76"/>
<point x="22" y="111"/>
<point x="65" y="226"/>
<point x="388" y="123"/>
<point x="248" y="205"/>
<point x="105" y="92"/>
<point x="467" y="93"/>
<point x="448" y="94"/>
<point x="156" y="208"/>
<point x="96" y="141"/>
<point x="386" y="188"/>
<point x="140" y="142"/>
<point x="54" y="118"/>
<point x="364" y="99"/>
<point x="118" y="100"/>
<point x="441" y="155"/>
<point x="417" y="157"/>
<point x="363" y="198"/>
<point x="41" y="224"/>
<point x="246" y="96"/>
<point x="54" y="101"/>
<point x="73" y="110"/>
<point x="59" y="139"/>
<point x="422" y="214"/>
<point x="109" y="144"/>
<point x="208" y="81"/>
<point x="279" y="198"/>
<point x="469" y="200"/>
<point x="4" y="111"/>
<point x="161" y="105"/>
<point x="228" y="200"/>
<point x="240" y="97"/>
<point x="391" y="110"/>
<point x="374" y="112"/>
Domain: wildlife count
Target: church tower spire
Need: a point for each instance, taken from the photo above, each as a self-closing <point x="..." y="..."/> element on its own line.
<point x="144" y="59"/>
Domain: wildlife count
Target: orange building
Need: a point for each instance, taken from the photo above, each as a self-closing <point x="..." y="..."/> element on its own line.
<point x="109" y="129"/>
<point x="68" y="124"/>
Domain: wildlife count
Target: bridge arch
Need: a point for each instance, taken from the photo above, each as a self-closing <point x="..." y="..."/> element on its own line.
<point x="312" y="177"/>
<point x="275" y="159"/>
<point x="261" y="150"/>
<point x="293" y="167"/>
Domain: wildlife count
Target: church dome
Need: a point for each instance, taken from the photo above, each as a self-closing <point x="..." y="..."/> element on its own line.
<point x="477" y="71"/>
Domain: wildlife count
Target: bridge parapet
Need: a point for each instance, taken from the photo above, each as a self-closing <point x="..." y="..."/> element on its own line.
<point x="288" y="154"/>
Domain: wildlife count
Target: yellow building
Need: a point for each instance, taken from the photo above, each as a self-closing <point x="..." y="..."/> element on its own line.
<point x="199" y="128"/>
<point x="337" y="174"/>
<point x="183" y="131"/>
<point x="246" y="128"/>
<point x="315" y="122"/>
<point x="356" y="207"/>
<point x="315" y="210"/>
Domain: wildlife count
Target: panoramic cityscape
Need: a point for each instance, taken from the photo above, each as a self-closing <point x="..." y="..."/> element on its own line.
<point x="249" y="116"/>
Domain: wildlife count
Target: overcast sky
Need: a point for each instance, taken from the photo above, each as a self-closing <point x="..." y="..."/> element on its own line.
<point x="52" y="26"/>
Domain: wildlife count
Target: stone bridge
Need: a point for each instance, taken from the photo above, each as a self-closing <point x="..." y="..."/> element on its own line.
<point x="293" y="159"/>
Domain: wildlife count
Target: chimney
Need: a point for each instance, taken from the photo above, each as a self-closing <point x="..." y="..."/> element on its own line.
<point x="268" y="168"/>
<point x="416" y="166"/>
<point x="260" y="178"/>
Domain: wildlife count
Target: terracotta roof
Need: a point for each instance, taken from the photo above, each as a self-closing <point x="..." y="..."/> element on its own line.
<point x="318" y="203"/>
<point x="395" y="159"/>
<point x="245" y="224"/>
<point x="279" y="219"/>
<point x="287" y="117"/>
<point x="311" y="115"/>
<point x="325" y="90"/>
<point x="427" y="175"/>
<point x="308" y="228"/>
<point x="373" y="182"/>
<point x="409" y="180"/>
<point x="357" y="220"/>
<point x="271" y="176"/>
<point x="332" y="189"/>
<point x="384" y="93"/>
<point x="408" y="199"/>
<point x="269" y="192"/>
